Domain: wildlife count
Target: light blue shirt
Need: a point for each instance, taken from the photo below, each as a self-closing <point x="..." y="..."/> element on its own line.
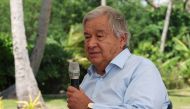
<point x="129" y="82"/>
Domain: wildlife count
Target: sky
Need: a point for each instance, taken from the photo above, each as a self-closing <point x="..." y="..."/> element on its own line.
<point x="161" y="1"/>
<point x="157" y="2"/>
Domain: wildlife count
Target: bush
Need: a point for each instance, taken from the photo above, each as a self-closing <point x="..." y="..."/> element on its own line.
<point x="6" y="61"/>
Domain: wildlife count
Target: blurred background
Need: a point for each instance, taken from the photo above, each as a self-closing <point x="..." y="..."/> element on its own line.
<point x="147" y="21"/>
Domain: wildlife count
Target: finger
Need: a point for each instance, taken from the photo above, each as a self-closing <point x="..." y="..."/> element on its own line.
<point x="82" y="90"/>
<point x="69" y="91"/>
<point x="72" y="89"/>
<point x="69" y="94"/>
<point x="68" y="106"/>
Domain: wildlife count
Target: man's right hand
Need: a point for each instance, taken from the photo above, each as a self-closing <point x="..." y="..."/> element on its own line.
<point x="77" y="99"/>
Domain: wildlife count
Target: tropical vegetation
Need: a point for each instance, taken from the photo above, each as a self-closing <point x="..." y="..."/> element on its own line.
<point x="65" y="40"/>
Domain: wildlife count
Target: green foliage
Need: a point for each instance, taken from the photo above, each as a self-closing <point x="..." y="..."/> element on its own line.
<point x="183" y="49"/>
<point x="5" y="16"/>
<point x="171" y="74"/>
<point x="75" y="44"/>
<point x="31" y="17"/>
<point x="66" y="13"/>
<point x="133" y="10"/>
<point x="148" y="50"/>
<point x="53" y="69"/>
<point x="6" y="61"/>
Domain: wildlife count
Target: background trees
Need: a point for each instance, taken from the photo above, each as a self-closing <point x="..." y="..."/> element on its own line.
<point x="65" y="40"/>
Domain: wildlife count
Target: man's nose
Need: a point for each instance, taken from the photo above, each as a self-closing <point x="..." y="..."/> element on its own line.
<point x="92" y="42"/>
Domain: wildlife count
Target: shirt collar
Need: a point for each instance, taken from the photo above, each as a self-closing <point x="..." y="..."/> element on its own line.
<point x="118" y="61"/>
<point x="91" y="69"/>
<point x="121" y="58"/>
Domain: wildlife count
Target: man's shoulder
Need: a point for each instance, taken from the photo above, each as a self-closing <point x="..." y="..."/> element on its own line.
<point x="141" y="59"/>
<point x="137" y="61"/>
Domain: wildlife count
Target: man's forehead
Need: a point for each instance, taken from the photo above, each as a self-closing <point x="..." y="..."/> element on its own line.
<point x="95" y="30"/>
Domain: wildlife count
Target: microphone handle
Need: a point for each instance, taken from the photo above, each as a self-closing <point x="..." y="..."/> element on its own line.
<point x="75" y="83"/>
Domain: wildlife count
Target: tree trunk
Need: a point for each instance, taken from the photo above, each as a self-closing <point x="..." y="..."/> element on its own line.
<point x="38" y="50"/>
<point x="166" y="25"/>
<point x="151" y="4"/>
<point x="26" y="84"/>
<point x="39" y="47"/>
<point x="103" y="2"/>
<point x="187" y="5"/>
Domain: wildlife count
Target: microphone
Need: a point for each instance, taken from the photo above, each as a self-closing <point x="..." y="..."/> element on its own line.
<point x="74" y="73"/>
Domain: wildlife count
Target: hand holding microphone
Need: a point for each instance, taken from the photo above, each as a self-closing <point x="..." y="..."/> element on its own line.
<point x="81" y="100"/>
<point x="74" y="73"/>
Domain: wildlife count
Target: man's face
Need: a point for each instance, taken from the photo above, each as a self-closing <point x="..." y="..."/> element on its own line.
<point x="101" y="44"/>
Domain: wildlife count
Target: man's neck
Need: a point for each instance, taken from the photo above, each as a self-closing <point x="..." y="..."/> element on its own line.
<point x="100" y="69"/>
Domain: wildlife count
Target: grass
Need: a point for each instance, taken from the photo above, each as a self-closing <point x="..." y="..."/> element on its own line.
<point x="9" y="104"/>
<point x="56" y="103"/>
<point x="179" y="98"/>
<point x="51" y="102"/>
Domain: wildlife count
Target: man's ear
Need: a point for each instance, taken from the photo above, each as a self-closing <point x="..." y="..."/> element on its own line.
<point x="123" y="40"/>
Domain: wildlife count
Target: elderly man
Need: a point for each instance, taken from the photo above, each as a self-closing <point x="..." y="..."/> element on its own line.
<point x="116" y="79"/>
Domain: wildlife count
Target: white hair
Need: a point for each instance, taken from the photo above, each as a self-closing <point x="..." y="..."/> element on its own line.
<point x="116" y="20"/>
